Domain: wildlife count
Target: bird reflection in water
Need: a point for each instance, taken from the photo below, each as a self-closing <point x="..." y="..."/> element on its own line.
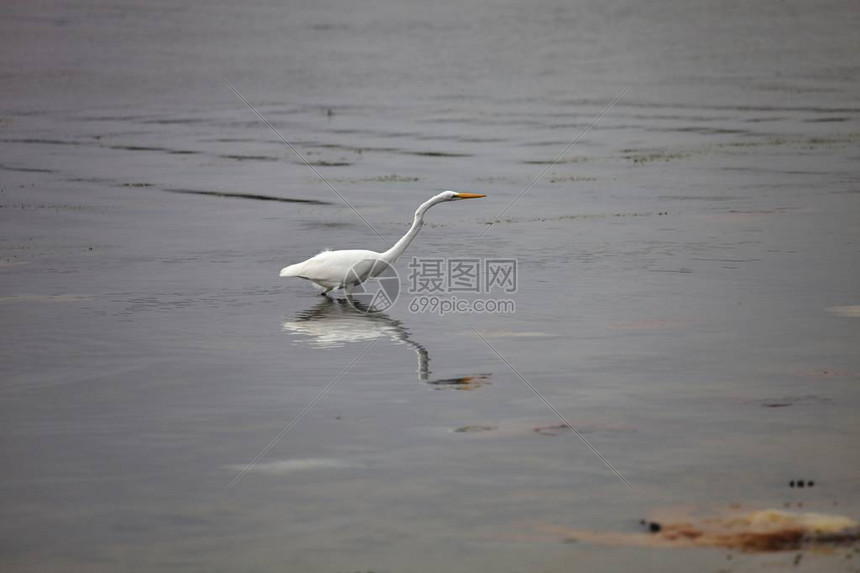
<point x="333" y="323"/>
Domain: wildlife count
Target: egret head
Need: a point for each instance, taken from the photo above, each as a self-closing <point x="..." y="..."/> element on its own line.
<point x="456" y="196"/>
<point x="443" y="197"/>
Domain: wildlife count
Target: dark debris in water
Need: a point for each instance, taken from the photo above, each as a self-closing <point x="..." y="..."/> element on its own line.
<point x="330" y="163"/>
<point x="474" y="428"/>
<point x="762" y="531"/>
<point x="27" y="169"/>
<point x="578" y="216"/>
<point x="436" y="154"/>
<point x="788" y="401"/>
<point x="137" y="148"/>
<point x="37" y="141"/>
<point x="552" y="430"/>
<point x="249" y="157"/>
<point x="393" y="178"/>
<point x="801" y="483"/>
<point x="651" y="526"/>
<point x="461" y="383"/>
<point x="256" y="197"/>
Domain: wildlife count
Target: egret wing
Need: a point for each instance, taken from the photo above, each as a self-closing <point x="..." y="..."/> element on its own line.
<point x="365" y="269"/>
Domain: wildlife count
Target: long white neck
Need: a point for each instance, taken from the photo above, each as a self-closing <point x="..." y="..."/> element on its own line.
<point x="395" y="251"/>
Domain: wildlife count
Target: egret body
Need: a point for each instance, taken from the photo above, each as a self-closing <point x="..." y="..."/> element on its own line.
<point x="347" y="268"/>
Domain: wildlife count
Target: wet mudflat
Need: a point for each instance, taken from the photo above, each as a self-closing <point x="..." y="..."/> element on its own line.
<point x="686" y="297"/>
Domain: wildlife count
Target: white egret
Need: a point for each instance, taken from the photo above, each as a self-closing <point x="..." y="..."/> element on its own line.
<point x="347" y="268"/>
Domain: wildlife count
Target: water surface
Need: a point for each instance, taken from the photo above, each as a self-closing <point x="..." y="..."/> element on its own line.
<point x="684" y="274"/>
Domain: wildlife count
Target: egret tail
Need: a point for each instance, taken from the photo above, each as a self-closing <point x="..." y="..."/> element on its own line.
<point x="291" y="271"/>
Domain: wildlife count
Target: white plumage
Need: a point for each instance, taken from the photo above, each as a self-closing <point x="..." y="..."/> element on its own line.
<point x="345" y="269"/>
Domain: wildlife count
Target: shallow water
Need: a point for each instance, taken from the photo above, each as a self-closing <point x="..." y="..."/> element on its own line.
<point x="684" y="274"/>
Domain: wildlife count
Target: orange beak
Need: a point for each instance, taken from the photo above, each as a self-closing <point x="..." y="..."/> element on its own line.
<point x="469" y="196"/>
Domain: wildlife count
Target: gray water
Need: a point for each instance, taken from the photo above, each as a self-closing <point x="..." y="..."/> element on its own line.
<point x="687" y="294"/>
